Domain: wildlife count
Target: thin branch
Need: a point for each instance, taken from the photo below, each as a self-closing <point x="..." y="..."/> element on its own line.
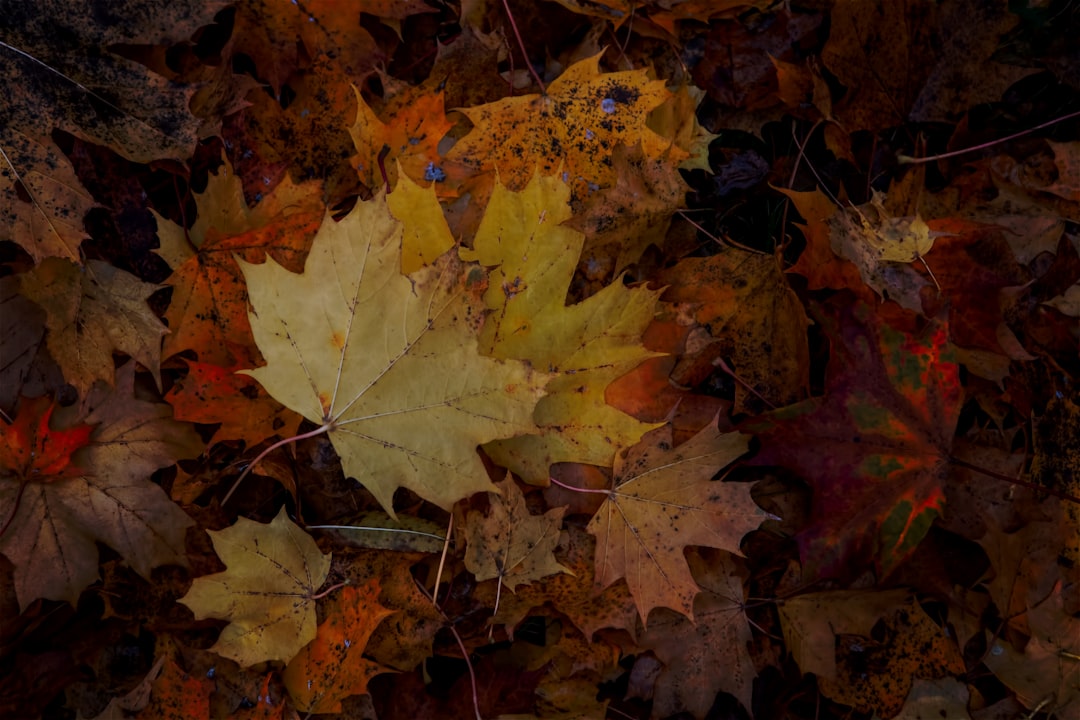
<point x="1015" y="481"/>
<point x="524" y="52"/>
<point x="908" y="160"/>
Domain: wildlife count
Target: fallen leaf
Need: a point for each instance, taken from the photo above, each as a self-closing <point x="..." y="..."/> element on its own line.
<point x="572" y="593"/>
<point x="709" y="654"/>
<point x="92" y="312"/>
<point x="208" y="309"/>
<point x="409" y="143"/>
<point x="510" y="543"/>
<point x="576" y="124"/>
<point x="266" y="593"/>
<point x="587" y="345"/>
<point x="52" y="535"/>
<point x="210" y="394"/>
<point x="812" y="621"/>
<point x="625" y="219"/>
<point x="664" y="499"/>
<point x="332" y="667"/>
<point x="932" y="699"/>
<point x="746" y="304"/>
<point x="387" y="364"/>
<point x="46" y="218"/>
<point x="876" y="447"/>
<point x="177" y="695"/>
<point x="425" y="233"/>
<point x="1046" y="670"/>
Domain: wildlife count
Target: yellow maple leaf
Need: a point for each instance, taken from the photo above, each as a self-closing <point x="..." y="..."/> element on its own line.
<point x="588" y="345"/>
<point x="387" y="364"/>
<point x="266" y="592"/>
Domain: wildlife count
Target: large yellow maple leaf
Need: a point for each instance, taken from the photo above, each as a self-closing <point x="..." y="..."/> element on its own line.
<point x="387" y="364"/>
<point x="588" y="345"/>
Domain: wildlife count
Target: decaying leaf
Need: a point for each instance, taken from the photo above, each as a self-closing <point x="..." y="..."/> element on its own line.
<point x="208" y="309"/>
<point x="876" y="447"/>
<point x="51" y="535"/>
<point x="663" y="500"/>
<point x="333" y="666"/>
<point x="387" y="364"/>
<point x="266" y="592"/>
<point x="510" y="543"/>
<point x="91" y="312"/>
<point x="707" y="655"/>
<point x="578" y="123"/>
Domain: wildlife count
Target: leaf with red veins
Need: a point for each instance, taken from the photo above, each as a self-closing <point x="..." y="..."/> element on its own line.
<point x="876" y="447"/>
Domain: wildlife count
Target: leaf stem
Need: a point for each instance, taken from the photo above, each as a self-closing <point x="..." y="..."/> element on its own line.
<point x="1015" y="481"/>
<point x="303" y="436"/>
<point x="472" y="673"/>
<point x="577" y="489"/>
<point x="374" y="529"/>
<point x="328" y="590"/>
<point x="907" y="160"/>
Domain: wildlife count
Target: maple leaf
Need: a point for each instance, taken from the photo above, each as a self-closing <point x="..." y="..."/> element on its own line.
<point x="92" y="312"/>
<point x="52" y="531"/>
<point x="830" y="634"/>
<point x="208" y="309"/>
<point x="410" y="142"/>
<point x="82" y="87"/>
<point x="747" y="305"/>
<point x="636" y="212"/>
<point x="577" y="124"/>
<point x="177" y="695"/>
<point x="818" y="263"/>
<point x="386" y="364"/>
<point x="812" y="621"/>
<point x="572" y="593"/>
<point x="332" y="667"/>
<point x="588" y="345"/>
<point x="510" y="543"/>
<point x="211" y="394"/>
<point x="50" y="224"/>
<point x="876" y="447"/>
<point x="404" y="639"/>
<point x="663" y="499"/>
<point x="1046" y="667"/>
<point x="708" y="655"/>
<point x="425" y="235"/>
<point x="266" y="593"/>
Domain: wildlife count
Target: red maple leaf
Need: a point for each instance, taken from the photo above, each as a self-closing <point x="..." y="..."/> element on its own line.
<point x="876" y="447"/>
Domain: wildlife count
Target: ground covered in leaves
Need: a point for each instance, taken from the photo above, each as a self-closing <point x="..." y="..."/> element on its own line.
<point x="486" y="359"/>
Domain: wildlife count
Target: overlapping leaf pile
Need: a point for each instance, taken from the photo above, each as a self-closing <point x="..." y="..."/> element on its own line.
<point x="539" y="360"/>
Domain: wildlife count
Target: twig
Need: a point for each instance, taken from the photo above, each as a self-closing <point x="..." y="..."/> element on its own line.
<point x="442" y="561"/>
<point x="907" y="160"/>
<point x="524" y="52"/>
<point x="472" y="673"/>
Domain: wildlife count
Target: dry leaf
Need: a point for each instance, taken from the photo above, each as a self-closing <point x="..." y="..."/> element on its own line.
<point x="266" y="593"/>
